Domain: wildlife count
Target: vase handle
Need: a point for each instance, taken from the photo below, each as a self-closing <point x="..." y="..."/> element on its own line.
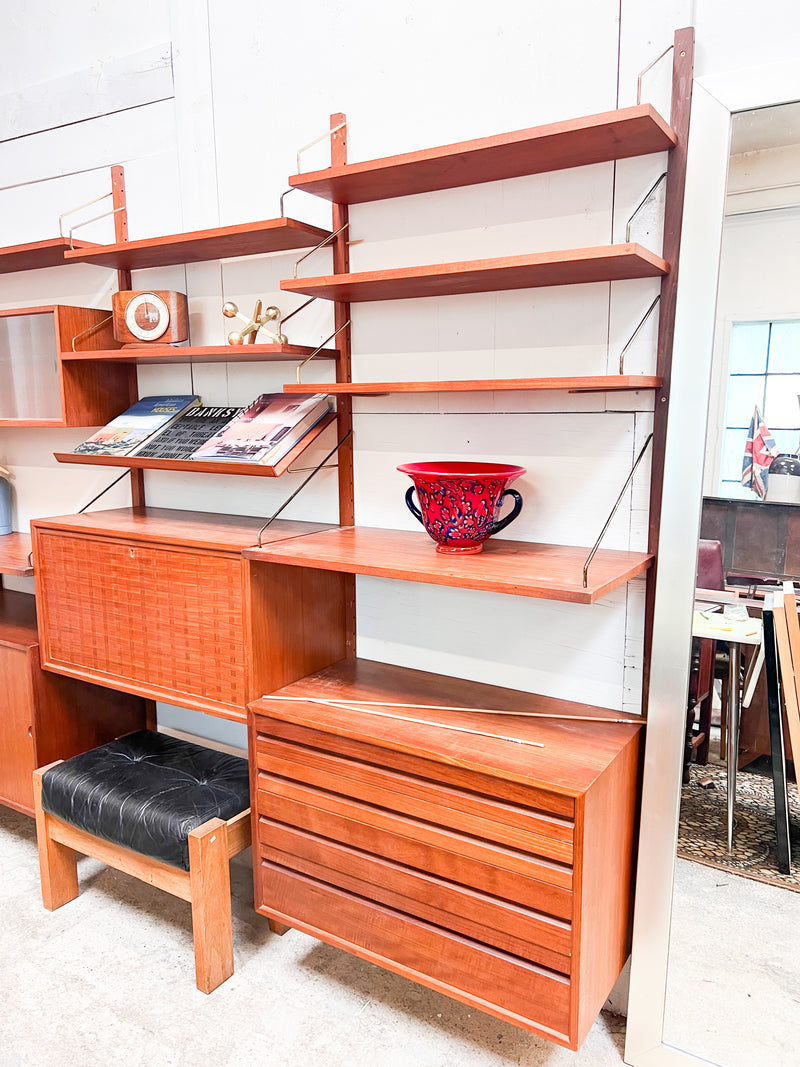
<point x="412" y="507"/>
<point x="502" y="523"/>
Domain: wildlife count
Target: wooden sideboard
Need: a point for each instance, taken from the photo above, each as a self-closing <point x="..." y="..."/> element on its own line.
<point x="446" y="845"/>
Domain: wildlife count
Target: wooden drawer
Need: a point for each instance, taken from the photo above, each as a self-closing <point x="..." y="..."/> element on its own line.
<point x="491" y="920"/>
<point x="491" y="980"/>
<point x="453" y="857"/>
<point x="524" y="828"/>
<point x="531" y="797"/>
<point x="489" y="859"/>
<point x="161" y="621"/>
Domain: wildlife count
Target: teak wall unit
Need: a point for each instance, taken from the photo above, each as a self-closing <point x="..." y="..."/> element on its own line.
<point x="391" y="819"/>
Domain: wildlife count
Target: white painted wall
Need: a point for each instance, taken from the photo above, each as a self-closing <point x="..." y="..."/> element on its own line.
<point x="252" y="84"/>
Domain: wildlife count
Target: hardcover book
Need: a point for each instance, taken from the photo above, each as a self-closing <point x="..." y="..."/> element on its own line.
<point x="266" y="430"/>
<point x="129" y="431"/>
<point x="184" y="436"/>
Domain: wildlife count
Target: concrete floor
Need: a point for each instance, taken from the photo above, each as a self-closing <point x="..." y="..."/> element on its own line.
<point x="109" y="979"/>
<point x="733" y="984"/>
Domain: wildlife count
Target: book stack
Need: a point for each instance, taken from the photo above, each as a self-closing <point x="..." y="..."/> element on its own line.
<point x="179" y="428"/>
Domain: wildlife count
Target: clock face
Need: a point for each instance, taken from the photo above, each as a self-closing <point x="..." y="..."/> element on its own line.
<point x="147" y="316"/>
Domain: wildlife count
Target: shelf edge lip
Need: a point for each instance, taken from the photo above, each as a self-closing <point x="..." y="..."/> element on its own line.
<point x="633" y="565"/>
<point x="189" y="352"/>
<point x="630" y="251"/>
<point x="614" y="383"/>
<point x="200" y="237"/>
<point x="408" y="160"/>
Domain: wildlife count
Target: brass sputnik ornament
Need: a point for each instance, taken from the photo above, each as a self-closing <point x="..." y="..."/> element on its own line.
<point x="258" y="322"/>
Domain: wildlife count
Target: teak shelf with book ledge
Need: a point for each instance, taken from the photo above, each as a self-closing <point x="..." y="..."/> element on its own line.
<point x="222" y="242"/>
<point x="37" y="254"/>
<point x="548" y="572"/>
<point x="633" y="131"/>
<point x="196" y="466"/>
<point x="14" y="551"/>
<point x="574" y="266"/>
<point x="155" y="353"/>
<point x="588" y="384"/>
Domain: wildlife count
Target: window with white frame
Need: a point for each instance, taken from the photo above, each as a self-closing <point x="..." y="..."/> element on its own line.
<point x="763" y="372"/>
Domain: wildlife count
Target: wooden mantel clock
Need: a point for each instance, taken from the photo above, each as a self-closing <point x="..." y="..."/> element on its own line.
<point x="144" y="316"/>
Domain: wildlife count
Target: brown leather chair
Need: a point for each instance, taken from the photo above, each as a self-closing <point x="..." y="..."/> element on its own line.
<point x="709" y="662"/>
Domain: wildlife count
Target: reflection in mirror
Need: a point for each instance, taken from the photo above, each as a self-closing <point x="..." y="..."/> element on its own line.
<point x="733" y="989"/>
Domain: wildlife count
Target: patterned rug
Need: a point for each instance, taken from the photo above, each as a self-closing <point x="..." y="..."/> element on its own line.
<point x="702" y="833"/>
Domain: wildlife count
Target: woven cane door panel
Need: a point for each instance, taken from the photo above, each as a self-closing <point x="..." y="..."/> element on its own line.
<point x="162" y="622"/>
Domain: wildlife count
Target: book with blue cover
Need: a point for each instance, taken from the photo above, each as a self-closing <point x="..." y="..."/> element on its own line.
<point x="125" y="434"/>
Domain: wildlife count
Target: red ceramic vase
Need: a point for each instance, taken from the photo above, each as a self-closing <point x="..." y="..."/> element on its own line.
<point x="459" y="503"/>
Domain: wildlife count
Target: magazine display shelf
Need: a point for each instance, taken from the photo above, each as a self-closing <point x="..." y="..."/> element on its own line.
<point x="196" y="466"/>
<point x="390" y="818"/>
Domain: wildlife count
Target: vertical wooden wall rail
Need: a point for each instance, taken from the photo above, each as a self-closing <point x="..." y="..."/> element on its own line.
<point x="344" y="404"/>
<point x="120" y="204"/>
<point x="682" y="74"/>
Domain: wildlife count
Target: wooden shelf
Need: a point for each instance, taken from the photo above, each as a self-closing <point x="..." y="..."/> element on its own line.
<point x="14" y="550"/>
<point x="195" y="466"/>
<point x="596" y="384"/>
<point x="570" y="267"/>
<point x="631" y="131"/>
<point x="358" y="680"/>
<point x="178" y="529"/>
<point x="549" y="572"/>
<point x="224" y="242"/>
<point x="156" y="353"/>
<point x="38" y="254"/>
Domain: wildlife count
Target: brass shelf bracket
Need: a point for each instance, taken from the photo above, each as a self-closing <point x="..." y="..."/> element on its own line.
<point x="322" y="137"/>
<point x="643" y="201"/>
<point x="628" y="481"/>
<point x="646" y="69"/>
<point x="301" y="486"/>
<point x="632" y="337"/>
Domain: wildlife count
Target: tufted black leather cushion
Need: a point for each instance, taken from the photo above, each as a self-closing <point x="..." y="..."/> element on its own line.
<point x="146" y="792"/>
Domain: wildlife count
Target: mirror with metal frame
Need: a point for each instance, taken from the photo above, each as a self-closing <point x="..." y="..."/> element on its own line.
<point x="653" y="1038"/>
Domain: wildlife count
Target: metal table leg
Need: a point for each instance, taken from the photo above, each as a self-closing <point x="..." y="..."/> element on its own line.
<point x="783" y="854"/>
<point x="734" y="705"/>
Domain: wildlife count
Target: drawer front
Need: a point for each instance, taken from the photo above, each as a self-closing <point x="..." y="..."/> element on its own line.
<point x="491" y="980"/>
<point x="530" y="797"/>
<point x="480" y="816"/>
<point x="490" y="920"/>
<point x="162" y="622"/>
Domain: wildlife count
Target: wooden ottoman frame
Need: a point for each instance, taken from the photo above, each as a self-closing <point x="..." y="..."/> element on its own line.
<point x="206" y="885"/>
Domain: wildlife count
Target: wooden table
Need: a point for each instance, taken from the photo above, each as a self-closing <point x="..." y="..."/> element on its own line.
<point x="715" y="626"/>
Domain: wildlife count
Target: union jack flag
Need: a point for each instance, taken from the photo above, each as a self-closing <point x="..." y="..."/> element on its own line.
<point x="759" y="452"/>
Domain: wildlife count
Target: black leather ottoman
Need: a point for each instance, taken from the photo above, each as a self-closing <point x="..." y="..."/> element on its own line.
<point x="165" y="810"/>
